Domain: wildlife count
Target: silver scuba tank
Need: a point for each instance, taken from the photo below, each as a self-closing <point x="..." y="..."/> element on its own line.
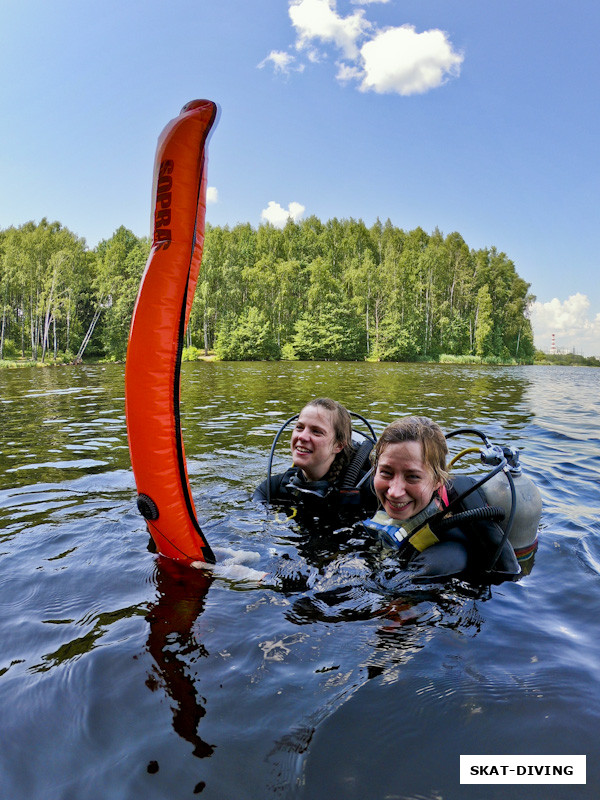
<point x="528" y="507"/>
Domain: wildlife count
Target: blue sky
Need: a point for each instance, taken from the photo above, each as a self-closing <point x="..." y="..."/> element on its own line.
<point x="469" y="116"/>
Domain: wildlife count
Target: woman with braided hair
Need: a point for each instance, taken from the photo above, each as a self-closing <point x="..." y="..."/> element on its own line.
<point x="322" y="450"/>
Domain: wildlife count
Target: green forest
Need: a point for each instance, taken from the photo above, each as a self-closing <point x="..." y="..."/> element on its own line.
<point x="335" y="290"/>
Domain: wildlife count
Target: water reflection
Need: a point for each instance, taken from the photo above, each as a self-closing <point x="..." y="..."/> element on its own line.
<point x="391" y="627"/>
<point x="246" y="403"/>
<point x="311" y="659"/>
<point x="181" y="595"/>
<point x="83" y="645"/>
<point x="346" y="574"/>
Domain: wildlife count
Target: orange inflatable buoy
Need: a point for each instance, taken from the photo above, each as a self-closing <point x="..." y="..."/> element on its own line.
<point x="160" y="317"/>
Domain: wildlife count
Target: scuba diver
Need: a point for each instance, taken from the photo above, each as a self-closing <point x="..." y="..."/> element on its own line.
<point x="482" y="529"/>
<point x="416" y="496"/>
<point x="331" y="472"/>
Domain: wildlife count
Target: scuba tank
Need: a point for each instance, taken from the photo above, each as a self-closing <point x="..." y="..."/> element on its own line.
<point x="508" y="489"/>
<point x="528" y="504"/>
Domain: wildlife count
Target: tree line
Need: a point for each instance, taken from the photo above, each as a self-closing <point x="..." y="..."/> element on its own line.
<point x="335" y="290"/>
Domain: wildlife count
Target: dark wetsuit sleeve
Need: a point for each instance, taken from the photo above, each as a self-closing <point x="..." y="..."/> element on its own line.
<point x="442" y="560"/>
<point x="260" y="493"/>
<point x="484" y="537"/>
<point x="278" y="488"/>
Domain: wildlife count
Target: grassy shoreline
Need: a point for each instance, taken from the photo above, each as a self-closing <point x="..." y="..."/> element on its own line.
<point x="543" y="359"/>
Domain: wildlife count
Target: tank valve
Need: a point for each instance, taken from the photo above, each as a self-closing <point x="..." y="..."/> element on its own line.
<point x="492" y="455"/>
<point x="511" y="454"/>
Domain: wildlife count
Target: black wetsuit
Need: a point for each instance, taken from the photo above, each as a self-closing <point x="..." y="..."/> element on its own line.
<point x="349" y="496"/>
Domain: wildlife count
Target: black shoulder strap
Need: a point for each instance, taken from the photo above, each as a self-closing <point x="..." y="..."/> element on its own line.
<point x="459" y="484"/>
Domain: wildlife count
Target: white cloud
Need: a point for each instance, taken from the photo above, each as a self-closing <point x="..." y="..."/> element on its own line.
<point x="569" y="320"/>
<point x="281" y="61"/>
<point x="318" y="19"/>
<point x="346" y="72"/>
<point x="278" y="216"/>
<point x="395" y="59"/>
<point x="404" y="61"/>
<point x="212" y="194"/>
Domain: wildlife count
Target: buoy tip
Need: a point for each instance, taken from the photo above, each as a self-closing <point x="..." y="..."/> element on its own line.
<point x="193" y="104"/>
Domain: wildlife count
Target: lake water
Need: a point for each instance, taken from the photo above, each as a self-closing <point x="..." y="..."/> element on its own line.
<point x="125" y="676"/>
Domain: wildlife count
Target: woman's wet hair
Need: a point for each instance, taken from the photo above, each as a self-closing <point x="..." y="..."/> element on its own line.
<point x="417" y="429"/>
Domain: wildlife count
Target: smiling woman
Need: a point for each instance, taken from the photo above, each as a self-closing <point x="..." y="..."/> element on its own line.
<point x="329" y="470"/>
<point x="416" y="496"/>
<point x="404" y="482"/>
<point x="320" y="435"/>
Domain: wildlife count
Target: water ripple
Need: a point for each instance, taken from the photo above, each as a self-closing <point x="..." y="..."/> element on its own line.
<point x="122" y="674"/>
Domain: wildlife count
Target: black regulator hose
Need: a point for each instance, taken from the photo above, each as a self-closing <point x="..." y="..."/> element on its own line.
<point x="474" y="431"/>
<point x="356" y="464"/>
<point x="477" y="485"/>
<point x="493" y="513"/>
<point x="367" y="423"/>
<point x="270" y="462"/>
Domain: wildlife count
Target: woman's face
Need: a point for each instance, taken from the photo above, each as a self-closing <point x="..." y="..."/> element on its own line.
<point x="403" y="482"/>
<point x="314" y="447"/>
